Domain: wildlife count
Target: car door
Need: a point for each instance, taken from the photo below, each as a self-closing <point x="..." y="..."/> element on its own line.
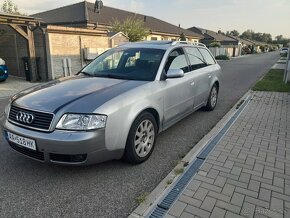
<point x="200" y="75"/>
<point x="209" y="71"/>
<point x="178" y="98"/>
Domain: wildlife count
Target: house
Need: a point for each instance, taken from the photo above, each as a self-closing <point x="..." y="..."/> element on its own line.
<point x="247" y="45"/>
<point x="57" y="51"/>
<point x="229" y="46"/>
<point x="82" y="15"/>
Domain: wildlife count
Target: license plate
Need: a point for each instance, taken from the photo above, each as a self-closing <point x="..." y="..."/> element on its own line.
<point x="22" y="141"/>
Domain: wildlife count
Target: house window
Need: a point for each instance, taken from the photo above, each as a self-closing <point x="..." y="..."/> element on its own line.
<point x="154" y="38"/>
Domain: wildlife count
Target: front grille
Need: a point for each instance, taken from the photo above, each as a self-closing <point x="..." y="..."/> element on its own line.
<point x="28" y="152"/>
<point x="41" y="120"/>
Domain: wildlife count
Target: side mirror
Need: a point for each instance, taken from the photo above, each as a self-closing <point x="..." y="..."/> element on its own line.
<point x="174" y="73"/>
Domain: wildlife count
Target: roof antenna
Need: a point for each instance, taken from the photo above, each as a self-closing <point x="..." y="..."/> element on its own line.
<point x="98" y="6"/>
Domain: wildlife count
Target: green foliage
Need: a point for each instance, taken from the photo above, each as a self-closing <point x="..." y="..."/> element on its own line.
<point x="281" y="40"/>
<point x="182" y="37"/>
<point x="142" y="198"/>
<point x="273" y="81"/>
<point x="233" y="33"/>
<point x="215" y="44"/>
<point x="9" y="7"/>
<point x="222" y="57"/>
<point x="179" y="171"/>
<point x="134" y="28"/>
<point x="260" y="37"/>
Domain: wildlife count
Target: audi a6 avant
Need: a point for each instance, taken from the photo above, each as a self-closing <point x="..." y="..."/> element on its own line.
<point x="115" y="106"/>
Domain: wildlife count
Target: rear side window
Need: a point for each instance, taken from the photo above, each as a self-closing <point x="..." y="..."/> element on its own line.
<point x="207" y="56"/>
<point x="195" y="58"/>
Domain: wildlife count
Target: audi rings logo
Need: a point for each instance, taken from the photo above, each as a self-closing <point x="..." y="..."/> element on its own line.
<point x="24" y="117"/>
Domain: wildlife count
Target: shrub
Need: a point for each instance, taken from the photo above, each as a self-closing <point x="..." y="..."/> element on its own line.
<point x="215" y="44"/>
<point x="222" y="57"/>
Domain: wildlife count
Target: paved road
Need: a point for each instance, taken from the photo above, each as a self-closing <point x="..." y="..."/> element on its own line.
<point x="28" y="188"/>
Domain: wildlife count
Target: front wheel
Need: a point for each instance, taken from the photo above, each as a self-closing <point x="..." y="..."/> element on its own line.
<point x="141" y="139"/>
<point x="212" y="99"/>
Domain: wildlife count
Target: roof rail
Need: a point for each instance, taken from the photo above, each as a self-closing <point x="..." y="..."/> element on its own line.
<point x="188" y="43"/>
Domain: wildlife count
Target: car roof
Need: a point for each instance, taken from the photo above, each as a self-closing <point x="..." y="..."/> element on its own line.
<point x="160" y="44"/>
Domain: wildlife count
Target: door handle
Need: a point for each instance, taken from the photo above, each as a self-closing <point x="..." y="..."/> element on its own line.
<point x="192" y="83"/>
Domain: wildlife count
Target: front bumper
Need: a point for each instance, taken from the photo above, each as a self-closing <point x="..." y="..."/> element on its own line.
<point x="63" y="147"/>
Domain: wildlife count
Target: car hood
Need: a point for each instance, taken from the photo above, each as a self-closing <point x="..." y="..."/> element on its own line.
<point x="53" y="96"/>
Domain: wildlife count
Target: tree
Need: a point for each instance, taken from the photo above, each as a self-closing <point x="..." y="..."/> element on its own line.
<point x="233" y="33"/>
<point x="134" y="28"/>
<point x="10" y="7"/>
<point x="247" y="34"/>
<point x="182" y="37"/>
<point x="279" y="37"/>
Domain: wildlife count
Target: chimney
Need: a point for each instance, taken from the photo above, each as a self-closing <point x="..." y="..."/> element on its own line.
<point x="145" y="18"/>
<point x="179" y="25"/>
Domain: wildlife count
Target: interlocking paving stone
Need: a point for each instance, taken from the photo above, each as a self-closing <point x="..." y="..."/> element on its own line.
<point x="219" y="196"/>
<point x="218" y="212"/>
<point x="186" y="215"/>
<point x="196" y="211"/>
<point x="248" y="172"/>
<point x="228" y="190"/>
<point x="201" y="193"/>
<point x="229" y="207"/>
<point x="189" y="200"/>
<point x="208" y="204"/>
<point x="220" y="181"/>
<point x="248" y="210"/>
<point x="177" y="208"/>
<point x="265" y="194"/>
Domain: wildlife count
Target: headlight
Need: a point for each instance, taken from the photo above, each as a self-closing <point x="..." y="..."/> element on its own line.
<point x="81" y="122"/>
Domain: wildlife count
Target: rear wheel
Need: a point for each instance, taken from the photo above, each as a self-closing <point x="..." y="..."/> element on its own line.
<point x="212" y="99"/>
<point x="141" y="139"/>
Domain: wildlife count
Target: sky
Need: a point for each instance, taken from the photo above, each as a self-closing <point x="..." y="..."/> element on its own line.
<point x="266" y="16"/>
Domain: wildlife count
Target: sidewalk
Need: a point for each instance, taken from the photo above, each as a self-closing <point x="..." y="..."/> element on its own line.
<point x="13" y="85"/>
<point x="247" y="174"/>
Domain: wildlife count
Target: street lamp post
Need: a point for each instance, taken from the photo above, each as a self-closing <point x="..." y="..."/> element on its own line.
<point x="98" y="6"/>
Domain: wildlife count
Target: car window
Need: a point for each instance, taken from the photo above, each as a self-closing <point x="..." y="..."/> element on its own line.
<point x="195" y="58"/>
<point x="177" y="60"/>
<point x="126" y="63"/>
<point x="207" y="56"/>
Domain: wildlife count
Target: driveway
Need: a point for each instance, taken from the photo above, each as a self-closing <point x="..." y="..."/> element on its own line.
<point x="29" y="188"/>
<point x="13" y="85"/>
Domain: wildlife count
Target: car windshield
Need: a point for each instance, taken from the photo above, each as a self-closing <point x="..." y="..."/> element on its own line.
<point x="126" y="63"/>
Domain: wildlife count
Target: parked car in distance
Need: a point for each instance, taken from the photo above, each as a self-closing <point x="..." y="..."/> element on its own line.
<point x="115" y="106"/>
<point x="3" y="70"/>
<point x="284" y="51"/>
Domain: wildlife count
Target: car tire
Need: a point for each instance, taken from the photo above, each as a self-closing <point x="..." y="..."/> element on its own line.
<point x="141" y="139"/>
<point x="212" y="98"/>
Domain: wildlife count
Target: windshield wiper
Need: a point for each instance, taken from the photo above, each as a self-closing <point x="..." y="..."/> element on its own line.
<point x="93" y="75"/>
<point x="116" y="76"/>
<point x="86" y="74"/>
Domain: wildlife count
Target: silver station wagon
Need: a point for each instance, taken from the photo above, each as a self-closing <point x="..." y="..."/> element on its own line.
<point x="115" y="106"/>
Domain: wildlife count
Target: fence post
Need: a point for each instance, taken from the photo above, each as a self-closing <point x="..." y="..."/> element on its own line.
<point x="287" y="68"/>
